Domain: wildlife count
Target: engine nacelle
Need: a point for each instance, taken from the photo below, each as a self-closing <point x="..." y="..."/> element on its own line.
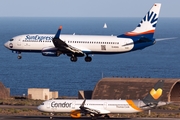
<point x="76" y="114"/>
<point x="51" y="51"/>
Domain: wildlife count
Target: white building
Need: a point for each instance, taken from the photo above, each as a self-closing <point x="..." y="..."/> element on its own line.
<point x="41" y="94"/>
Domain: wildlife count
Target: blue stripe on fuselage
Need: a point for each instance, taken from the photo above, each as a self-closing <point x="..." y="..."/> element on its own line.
<point x="140" y="44"/>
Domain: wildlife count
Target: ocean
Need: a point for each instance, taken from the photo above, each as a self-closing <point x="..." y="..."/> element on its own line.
<point x="161" y="60"/>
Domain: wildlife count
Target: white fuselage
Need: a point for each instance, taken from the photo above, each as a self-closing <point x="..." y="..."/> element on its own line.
<point x="112" y="106"/>
<point x="82" y="45"/>
<point x="102" y="106"/>
<point x="86" y="43"/>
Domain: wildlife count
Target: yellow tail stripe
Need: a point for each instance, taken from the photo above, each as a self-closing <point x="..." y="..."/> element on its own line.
<point x="131" y="103"/>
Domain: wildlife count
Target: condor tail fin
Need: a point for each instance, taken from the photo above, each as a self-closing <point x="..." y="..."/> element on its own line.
<point x="147" y="26"/>
<point x="155" y="94"/>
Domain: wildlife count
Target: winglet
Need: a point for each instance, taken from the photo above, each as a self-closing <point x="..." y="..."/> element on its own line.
<point x="58" y="33"/>
<point x="82" y="105"/>
<point x="60" y="27"/>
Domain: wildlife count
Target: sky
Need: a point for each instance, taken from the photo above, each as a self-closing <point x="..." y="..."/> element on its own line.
<point x="86" y="8"/>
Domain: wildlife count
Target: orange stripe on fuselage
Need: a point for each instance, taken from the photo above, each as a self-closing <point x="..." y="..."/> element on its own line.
<point x="131" y="103"/>
<point x="135" y="34"/>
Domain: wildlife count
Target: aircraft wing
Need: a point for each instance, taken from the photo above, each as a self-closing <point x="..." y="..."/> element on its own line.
<point x="62" y="46"/>
<point x="95" y="111"/>
<point x="90" y="110"/>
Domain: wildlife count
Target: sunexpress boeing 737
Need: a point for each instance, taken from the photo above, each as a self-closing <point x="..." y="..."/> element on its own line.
<point x="83" y="45"/>
<point x="96" y="108"/>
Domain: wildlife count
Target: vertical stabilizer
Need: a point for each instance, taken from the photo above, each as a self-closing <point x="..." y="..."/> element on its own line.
<point x="147" y="26"/>
<point x="155" y="94"/>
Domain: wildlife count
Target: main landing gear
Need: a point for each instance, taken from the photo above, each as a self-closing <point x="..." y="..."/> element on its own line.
<point x="94" y="116"/>
<point x="88" y="59"/>
<point x="106" y="116"/>
<point x="73" y="58"/>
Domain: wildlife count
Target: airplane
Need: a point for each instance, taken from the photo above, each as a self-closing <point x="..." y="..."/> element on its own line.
<point x="97" y="108"/>
<point x="84" y="45"/>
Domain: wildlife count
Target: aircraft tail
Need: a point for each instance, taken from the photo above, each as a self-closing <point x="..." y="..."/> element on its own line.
<point x="147" y="26"/>
<point x="155" y="94"/>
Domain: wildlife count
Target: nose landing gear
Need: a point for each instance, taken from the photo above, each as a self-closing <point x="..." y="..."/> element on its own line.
<point x="19" y="55"/>
<point x="51" y="115"/>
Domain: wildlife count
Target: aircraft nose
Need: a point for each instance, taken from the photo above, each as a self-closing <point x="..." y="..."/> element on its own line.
<point x="6" y="45"/>
<point x="39" y="107"/>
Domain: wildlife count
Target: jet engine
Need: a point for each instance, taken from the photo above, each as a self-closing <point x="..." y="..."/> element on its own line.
<point x="51" y="51"/>
<point x="76" y="114"/>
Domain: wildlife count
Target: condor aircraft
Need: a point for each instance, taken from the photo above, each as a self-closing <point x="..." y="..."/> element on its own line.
<point x="96" y="108"/>
<point x="84" y="45"/>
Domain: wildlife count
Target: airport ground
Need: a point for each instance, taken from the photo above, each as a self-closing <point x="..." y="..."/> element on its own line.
<point x="68" y="118"/>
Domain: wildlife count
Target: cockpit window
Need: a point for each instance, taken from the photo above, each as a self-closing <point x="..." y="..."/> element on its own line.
<point x="42" y="103"/>
<point x="11" y="39"/>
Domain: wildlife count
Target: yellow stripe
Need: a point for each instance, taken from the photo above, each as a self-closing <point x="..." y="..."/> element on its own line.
<point x="131" y="103"/>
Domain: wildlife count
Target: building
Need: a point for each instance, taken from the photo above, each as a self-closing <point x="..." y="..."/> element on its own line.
<point x="135" y="88"/>
<point x="41" y="94"/>
<point x="85" y="94"/>
<point x="4" y="92"/>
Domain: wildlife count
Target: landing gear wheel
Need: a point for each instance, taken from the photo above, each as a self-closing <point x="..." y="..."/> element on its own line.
<point x="93" y="117"/>
<point x="106" y="117"/>
<point x="19" y="54"/>
<point x="19" y="57"/>
<point x="73" y="58"/>
<point x="51" y="116"/>
<point x="88" y="59"/>
<point x="58" y="53"/>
